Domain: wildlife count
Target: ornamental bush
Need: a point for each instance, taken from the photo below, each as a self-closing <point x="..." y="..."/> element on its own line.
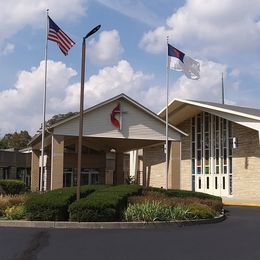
<point x="157" y="211"/>
<point x="103" y="205"/>
<point x="15" y="212"/>
<point x="12" y="187"/>
<point x="149" y="196"/>
<point x="199" y="211"/>
<point x="53" y="205"/>
<point x="148" y="212"/>
<point x="11" y="200"/>
<point x="184" y="194"/>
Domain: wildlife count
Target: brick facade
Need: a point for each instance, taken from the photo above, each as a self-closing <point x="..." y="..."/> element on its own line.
<point x="185" y="176"/>
<point x="154" y="166"/>
<point x="246" y="163"/>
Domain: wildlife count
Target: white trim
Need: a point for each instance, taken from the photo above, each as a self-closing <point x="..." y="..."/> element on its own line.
<point x="225" y="110"/>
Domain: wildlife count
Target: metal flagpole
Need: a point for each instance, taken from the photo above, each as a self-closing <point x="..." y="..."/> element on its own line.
<point x="167" y="118"/>
<point x="44" y="102"/>
<point x="223" y="94"/>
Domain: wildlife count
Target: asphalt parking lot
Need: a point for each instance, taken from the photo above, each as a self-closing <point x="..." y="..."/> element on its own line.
<point x="235" y="238"/>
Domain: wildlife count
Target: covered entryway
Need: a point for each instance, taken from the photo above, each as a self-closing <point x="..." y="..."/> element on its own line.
<point x="115" y="126"/>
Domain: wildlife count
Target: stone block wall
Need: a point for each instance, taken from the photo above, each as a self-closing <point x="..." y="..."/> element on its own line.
<point x="185" y="175"/>
<point x="154" y="166"/>
<point x="246" y="163"/>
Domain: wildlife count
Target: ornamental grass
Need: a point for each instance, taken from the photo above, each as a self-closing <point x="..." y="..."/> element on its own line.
<point x="8" y="201"/>
<point x="157" y="206"/>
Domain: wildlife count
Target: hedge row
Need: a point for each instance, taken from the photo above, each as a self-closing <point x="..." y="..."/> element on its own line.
<point x="103" y="205"/>
<point x="12" y="187"/>
<point x="53" y="205"/>
<point x="184" y="194"/>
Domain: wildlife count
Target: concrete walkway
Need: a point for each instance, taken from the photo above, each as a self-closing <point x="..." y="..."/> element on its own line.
<point x="241" y="202"/>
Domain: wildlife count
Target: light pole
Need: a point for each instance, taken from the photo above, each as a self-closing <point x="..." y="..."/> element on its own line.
<point x="94" y="30"/>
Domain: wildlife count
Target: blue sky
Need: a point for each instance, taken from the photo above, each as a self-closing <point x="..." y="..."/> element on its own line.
<point x="128" y="54"/>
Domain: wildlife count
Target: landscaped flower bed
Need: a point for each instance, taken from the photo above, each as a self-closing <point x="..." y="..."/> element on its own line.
<point x="11" y="206"/>
<point x="162" y="205"/>
<point x="111" y="203"/>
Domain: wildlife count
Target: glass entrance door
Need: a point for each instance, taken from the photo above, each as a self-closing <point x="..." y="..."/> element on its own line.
<point x="211" y="154"/>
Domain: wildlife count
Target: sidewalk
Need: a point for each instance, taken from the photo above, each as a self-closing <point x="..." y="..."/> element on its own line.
<point x="241" y="202"/>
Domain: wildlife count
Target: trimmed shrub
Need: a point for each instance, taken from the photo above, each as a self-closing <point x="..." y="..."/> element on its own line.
<point x="184" y="193"/>
<point x="53" y="205"/>
<point x="12" y="186"/>
<point x="103" y="205"/>
<point x="149" y="196"/>
<point x="199" y="211"/>
<point x="160" y="204"/>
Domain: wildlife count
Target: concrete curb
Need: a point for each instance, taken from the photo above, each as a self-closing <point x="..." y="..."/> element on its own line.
<point x="107" y="225"/>
<point x="244" y="204"/>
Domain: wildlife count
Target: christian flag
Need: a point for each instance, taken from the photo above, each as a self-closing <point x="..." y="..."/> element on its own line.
<point x="61" y="38"/>
<point x="179" y="61"/>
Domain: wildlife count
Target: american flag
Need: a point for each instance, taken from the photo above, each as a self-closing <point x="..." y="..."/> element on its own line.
<point x="61" y="38"/>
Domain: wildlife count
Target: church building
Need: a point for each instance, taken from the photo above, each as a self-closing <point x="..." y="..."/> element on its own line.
<point x="110" y="130"/>
<point x="213" y="148"/>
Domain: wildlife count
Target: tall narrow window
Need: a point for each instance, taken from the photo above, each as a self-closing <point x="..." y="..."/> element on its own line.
<point x="211" y="154"/>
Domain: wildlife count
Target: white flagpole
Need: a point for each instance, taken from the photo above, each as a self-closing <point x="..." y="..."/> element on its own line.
<point x="167" y="118"/>
<point x="223" y="92"/>
<point x="44" y="102"/>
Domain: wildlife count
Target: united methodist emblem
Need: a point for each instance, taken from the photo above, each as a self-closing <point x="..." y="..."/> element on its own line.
<point x="116" y="116"/>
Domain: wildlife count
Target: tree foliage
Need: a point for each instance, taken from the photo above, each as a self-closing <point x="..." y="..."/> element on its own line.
<point x="15" y="140"/>
<point x="57" y="118"/>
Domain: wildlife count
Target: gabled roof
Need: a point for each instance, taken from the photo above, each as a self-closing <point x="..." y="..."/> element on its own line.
<point x="243" y="111"/>
<point x="118" y="97"/>
<point x="122" y="95"/>
<point x="180" y="110"/>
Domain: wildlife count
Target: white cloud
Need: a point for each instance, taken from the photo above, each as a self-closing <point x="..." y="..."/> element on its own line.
<point x="214" y="27"/>
<point x="208" y="87"/>
<point x="109" y="82"/>
<point x="21" y="106"/>
<point x="15" y="15"/>
<point x="7" y="49"/>
<point x="107" y="49"/>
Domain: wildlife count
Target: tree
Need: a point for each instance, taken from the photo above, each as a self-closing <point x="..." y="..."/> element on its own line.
<point x="15" y="140"/>
<point x="3" y="144"/>
<point x="57" y="118"/>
